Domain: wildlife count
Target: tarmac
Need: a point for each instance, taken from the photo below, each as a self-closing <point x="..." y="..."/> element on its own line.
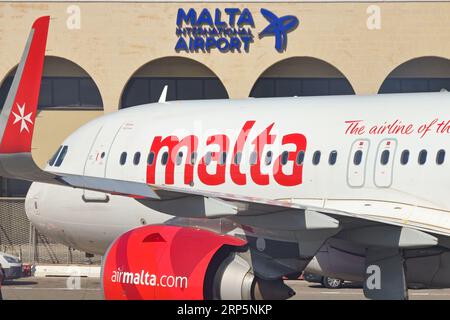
<point x="63" y="288"/>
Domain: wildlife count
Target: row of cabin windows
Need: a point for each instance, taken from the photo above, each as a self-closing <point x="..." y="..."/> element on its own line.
<point x="223" y="158"/>
<point x="299" y="159"/>
<point x="404" y="157"/>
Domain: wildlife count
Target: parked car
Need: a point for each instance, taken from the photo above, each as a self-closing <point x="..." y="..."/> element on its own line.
<point x="327" y="282"/>
<point x="11" y="266"/>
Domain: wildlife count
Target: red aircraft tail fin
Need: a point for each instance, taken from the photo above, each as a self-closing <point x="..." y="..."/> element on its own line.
<point x="20" y="108"/>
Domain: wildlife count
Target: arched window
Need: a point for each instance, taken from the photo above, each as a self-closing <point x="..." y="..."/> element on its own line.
<point x="147" y="83"/>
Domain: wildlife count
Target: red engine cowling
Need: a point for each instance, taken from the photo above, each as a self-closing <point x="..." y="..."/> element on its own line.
<point x="168" y="262"/>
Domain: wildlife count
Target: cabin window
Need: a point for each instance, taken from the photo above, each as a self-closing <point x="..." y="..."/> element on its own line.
<point x="61" y="157"/>
<point x="316" y="158"/>
<point x="208" y="158"/>
<point x="404" y="158"/>
<point x="357" y="158"/>
<point x="223" y="158"/>
<point x="123" y="158"/>
<point x="193" y="157"/>
<point x="384" y="160"/>
<point x="253" y="158"/>
<point x="237" y="158"/>
<point x="136" y="158"/>
<point x="440" y="157"/>
<point x="52" y="159"/>
<point x="284" y="157"/>
<point x="102" y="155"/>
<point x="269" y="156"/>
<point x="151" y="158"/>
<point x="179" y="158"/>
<point x="300" y="158"/>
<point x="423" y="157"/>
<point x="333" y="157"/>
<point x="164" y="158"/>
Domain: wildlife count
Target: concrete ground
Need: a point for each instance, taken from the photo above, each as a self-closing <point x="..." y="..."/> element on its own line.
<point x="89" y="289"/>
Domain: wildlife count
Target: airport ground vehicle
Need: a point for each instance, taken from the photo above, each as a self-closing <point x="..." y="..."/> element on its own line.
<point x="11" y="266"/>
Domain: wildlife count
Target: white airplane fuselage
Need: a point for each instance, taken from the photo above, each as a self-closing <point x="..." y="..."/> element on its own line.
<point x="361" y="170"/>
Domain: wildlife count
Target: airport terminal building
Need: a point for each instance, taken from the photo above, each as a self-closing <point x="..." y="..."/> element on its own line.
<point x="106" y="55"/>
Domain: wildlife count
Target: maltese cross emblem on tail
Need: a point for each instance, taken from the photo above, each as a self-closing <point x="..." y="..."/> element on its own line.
<point x="22" y="118"/>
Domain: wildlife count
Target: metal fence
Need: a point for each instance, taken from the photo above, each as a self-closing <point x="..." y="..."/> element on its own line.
<point x="20" y="238"/>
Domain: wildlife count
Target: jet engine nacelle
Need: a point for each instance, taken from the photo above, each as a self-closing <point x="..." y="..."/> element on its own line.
<point x="172" y="262"/>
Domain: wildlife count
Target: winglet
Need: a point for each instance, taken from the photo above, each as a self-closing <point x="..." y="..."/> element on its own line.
<point x="20" y="108"/>
<point x="163" y="97"/>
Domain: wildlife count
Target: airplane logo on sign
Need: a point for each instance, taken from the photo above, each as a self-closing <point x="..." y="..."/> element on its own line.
<point x="22" y="118"/>
<point x="278" y="27"/>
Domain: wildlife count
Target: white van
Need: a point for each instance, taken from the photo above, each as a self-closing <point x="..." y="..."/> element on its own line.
<point x="11" y="266"/>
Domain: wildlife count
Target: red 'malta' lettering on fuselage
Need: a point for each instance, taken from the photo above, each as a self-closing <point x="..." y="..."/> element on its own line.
<point x="174" y="144"/>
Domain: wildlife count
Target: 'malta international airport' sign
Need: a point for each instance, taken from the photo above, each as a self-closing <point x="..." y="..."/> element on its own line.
<point x="228" y="30"/>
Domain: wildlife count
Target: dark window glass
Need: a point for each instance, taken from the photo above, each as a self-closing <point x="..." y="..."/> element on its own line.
<point x="223" y="158"/>
<point x="46" y="94"/>
<point x="102" y="155"/>
<point x="394" y="85"/>
<point x="340" y="87"/>
<point x="136" y="92"/>
<point x="391" y="86"/>
<point x="269" y="156"/>
<point x="140" y="90"/>
<point x="61" y="157"/>
<point x="332" y="159"/>
<point x="189" y="89"/>
<point x="4" y="88"/>
<point x="52" y="159"/>
<point x="16" y="188"/>
<point x="300" y="157"/>
<point x="284" y="157"/>
<point x="62" y="92"/>
<point x="288" y="87"/>
<point x="237" y="158"/>
<point x="164" y="158"/>
<point x="214" y="89"/>
<point x="179" y="158"/>
<point x="253" y="158"/>
<point x="414" y="85"/>
<point x="66" y="92"/>
<point x="123" y="158"/>
<point x="89" y="94"/>
<point x="151" y="158"/>
<point x="315" y="87"/>
<point x="316" y="158"/>
<point x="263" y="88"/>
<point x="357" y="158"/>
<point x="404" y="157"/>
<point x="136" y="158"/>
<point x="384" y="160"/>
<point x="437" y="85"/>
<point x="440" y="157"/>
<point x="423" y="157"/>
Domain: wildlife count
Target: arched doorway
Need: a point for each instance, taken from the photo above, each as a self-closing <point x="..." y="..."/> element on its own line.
<point x="65" y="85"/>
<point x="424" y="74"/>
<point x="301" y="76"/>
<point x="187" y="79"/>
